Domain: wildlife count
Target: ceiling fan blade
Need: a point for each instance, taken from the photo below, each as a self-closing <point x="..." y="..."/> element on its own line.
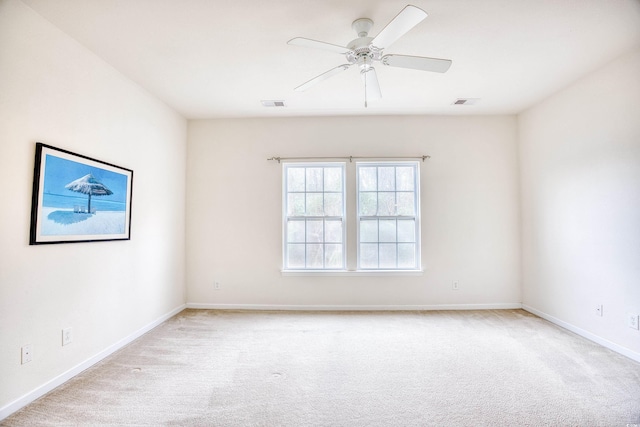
<point x="408" y="18"/>
<point x="417" y="63"/>
<point x="301" y="41"/>
<point x="332" y="72"/>
<point x="371" y="85"/>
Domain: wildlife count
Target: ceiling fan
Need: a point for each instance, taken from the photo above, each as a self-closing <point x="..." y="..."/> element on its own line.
<point x="365" y="51"/>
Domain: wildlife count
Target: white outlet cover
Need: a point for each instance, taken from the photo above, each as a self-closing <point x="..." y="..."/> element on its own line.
<point x="67" y="336"/>
<point x="633" y="321"/>
<point x="27" y="355"/>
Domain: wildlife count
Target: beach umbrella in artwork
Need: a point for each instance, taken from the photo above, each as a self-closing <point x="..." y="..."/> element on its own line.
<point x="90" y="186"/>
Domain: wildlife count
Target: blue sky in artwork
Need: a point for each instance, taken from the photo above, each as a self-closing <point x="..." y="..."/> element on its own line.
<point x="60" y="172"/>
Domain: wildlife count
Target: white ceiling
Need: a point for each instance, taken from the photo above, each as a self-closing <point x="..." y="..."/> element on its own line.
<point x="220" y="58"/>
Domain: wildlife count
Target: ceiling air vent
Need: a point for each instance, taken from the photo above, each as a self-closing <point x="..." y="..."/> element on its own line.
<point x="273" y="103"/>
<point x="465" y="101"/>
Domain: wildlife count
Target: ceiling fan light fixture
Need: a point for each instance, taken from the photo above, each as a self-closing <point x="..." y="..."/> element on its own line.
<point x="364" y="62"/>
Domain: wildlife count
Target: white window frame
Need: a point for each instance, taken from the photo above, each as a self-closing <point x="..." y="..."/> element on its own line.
<point x="389" y="216"/>
<point x="306" y="217"/>
<point x="350" y="215"/>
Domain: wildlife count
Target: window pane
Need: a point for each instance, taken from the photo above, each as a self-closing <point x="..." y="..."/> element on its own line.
<point x="314" y="204"/>
<point x="333" y="179"/>
<point x="314" y="192"/>
<point x="388" y="230"/>
<point x="295" y="256"/>
<point x="386" y="204"/>
<point x="406" y="255"/>
<point x="295" y="231"/>
<point x="369" y="230"/>
<point x="387" y="215"/>
<point x="404" y="179"/>
<point x="387" y="255"/>
<point x="333" y="204"/>
<point x="386" y="179"/>
<point x="369" y="255"/>
<point x="406" y="203"/>
<point x="295" y="204"/>
<point x="314" y="179"/>
<point x="333" y="256"/>
<point x="368" y="180"/>
<point x="295" y="179"/>
<point x="406" y="230"/>
<point x="314" y="256"/>
<point x="333" y="231"/>
<point x="314" y="230"/>
<point x="368" y="204"/>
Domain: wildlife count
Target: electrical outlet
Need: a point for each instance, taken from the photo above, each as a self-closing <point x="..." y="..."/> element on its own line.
<point x="599" y="310"/>
<point x="455" y="286"/>
<point x="67" y="336"/>
<point x="216" y="286"/>
<point x="632" y="321"/>
<point x="26" y="354"/>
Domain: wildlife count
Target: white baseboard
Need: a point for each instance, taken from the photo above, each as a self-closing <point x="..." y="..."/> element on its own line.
<point x="280" y="307"/>
<point x="588" y="335"/>
<point x="23" y="401"/>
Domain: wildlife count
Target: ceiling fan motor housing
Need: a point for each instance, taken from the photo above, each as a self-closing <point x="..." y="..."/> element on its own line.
<point x="361" y="52"/>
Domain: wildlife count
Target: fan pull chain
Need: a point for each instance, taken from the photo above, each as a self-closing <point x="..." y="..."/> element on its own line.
<point x="365" y="89"/>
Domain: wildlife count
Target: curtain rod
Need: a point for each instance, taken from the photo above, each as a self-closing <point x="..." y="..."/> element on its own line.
<point x="350" y="158"/>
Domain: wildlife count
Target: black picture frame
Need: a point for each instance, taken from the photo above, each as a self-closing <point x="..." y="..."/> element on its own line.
<point x="78" y="199"/>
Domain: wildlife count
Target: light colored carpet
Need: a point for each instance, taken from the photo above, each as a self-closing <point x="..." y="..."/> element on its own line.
<point x="435" y="368"/>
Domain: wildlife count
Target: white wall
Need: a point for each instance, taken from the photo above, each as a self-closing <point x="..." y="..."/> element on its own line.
<point x="580" y="166"/>
<point x="55" y="91"/>
<point x="470" y="217"/>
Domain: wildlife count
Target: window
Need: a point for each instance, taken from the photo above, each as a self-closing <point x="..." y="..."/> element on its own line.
<point x="388" y="216"/>
<point x="385" y="209"/>
<point x="314" y="216"/>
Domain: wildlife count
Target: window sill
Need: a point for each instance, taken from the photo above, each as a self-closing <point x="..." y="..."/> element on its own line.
<point x="353" y="273"/>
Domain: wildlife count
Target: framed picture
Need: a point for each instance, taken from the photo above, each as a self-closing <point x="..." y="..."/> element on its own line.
<point x="78" y="199"/>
